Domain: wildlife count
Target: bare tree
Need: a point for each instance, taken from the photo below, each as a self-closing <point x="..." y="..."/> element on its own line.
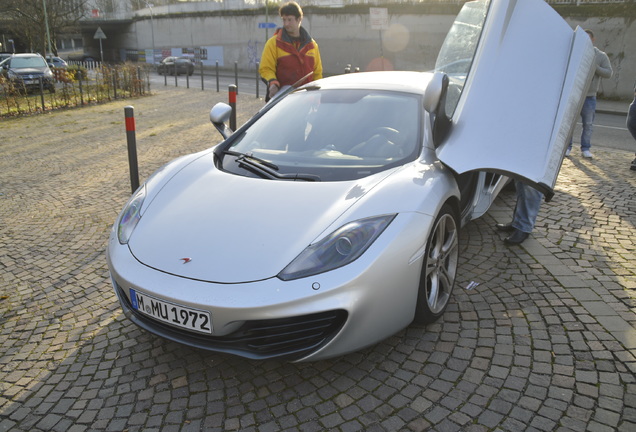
<point x="28" y="20"/>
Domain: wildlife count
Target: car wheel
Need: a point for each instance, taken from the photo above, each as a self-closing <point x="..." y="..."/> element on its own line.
<point x="439" y="267"/>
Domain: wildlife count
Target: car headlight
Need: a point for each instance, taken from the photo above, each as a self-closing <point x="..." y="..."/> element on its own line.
<point x="12" y="74"/>
<point x="338" y="249"/>
<point x="130" y="215"/>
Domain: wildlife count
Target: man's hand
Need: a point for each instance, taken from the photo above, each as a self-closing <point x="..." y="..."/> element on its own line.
<point x="274" y="86"/>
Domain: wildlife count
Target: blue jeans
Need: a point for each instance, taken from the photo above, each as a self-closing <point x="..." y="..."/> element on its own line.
<point x="527" y="208"/>
<point x="587" y="119"/>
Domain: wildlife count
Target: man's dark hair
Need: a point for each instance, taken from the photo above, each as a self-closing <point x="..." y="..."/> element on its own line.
<point x="291" y="8"/>
<point x="589" y="32"/>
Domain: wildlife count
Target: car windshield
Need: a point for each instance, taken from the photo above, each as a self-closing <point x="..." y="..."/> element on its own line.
<point x="332" y="134"/>
<point x="458" y="50"/>
<point x="27" y="62"/>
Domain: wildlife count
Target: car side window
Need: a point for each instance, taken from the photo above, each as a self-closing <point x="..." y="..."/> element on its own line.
<point x="458" y="50"/>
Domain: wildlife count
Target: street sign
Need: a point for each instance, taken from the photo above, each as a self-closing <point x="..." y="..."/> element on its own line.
<point x="379" y="18"/>
<point x="266" y="25"/>
<point x="99" y="34"/>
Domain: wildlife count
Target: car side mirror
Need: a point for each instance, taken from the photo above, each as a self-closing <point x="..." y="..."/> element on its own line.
<point x="219" y="115"/>
<point x="435" y="105"/>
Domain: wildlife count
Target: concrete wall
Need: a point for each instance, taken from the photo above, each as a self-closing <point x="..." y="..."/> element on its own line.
<point x="411" y="42"/>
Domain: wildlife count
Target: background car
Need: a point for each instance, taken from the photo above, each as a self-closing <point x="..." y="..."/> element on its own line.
<point x="56" y="62"/>
<point x="26" y="70"/>
<point x="180" y="65"/>
<point x="331" y="219"/>
<point x="4" y="56"/>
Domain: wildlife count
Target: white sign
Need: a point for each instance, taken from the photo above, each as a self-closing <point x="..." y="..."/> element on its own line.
<point x="379" y="18"/>
<point x="99" y="34"/>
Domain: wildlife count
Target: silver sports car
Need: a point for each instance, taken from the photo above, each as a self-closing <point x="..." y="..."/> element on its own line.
<point x="330" y="220"/>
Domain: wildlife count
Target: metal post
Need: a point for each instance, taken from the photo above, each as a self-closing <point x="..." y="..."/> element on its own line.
<point x="140" y="83"/>
<point x="48" y="34"/>
<point x="80" y="87"/>
<point x="175" y="73"/>
<point x="217" y="76"/>
<point x="201" y="75"/>
<point x="257" y="79"/>
<point x="132" y="147"/>
<point x="41" y="79"/>
<point x="152" y="31"/>
<point x="232" y="99"/>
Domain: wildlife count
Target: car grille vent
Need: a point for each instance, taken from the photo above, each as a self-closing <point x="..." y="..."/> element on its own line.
<point x="289" y="338"/>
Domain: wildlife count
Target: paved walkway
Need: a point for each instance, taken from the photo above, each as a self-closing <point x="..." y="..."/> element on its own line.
<point x="545" y="341"/>
<point x="612" y="106"/>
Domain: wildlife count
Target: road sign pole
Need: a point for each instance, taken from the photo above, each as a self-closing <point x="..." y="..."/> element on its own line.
<point x="99" y="34"/>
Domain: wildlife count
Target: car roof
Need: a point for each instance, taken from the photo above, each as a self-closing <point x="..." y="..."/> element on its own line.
<point x="405" y="81"/>
<point x="27" y="55"/>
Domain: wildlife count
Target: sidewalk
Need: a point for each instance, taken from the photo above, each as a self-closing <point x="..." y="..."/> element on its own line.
<point x="605" y="106"/>
<point x="612" y="107"/>
<point x="538" y="337"/>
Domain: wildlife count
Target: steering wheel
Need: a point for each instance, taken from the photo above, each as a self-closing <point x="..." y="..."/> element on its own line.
<point x="379" y="145"/>
<point x="389" y="133"/>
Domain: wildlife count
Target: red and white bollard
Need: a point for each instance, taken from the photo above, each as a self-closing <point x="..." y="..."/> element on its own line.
<point x="132" y="147"/>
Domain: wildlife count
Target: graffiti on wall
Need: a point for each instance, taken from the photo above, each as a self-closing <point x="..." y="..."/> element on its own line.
<point x="252" y="54"/>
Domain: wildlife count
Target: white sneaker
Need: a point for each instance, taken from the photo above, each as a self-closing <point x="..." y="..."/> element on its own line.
<point x="567" y="152"/>
<point x="587" y="154"/>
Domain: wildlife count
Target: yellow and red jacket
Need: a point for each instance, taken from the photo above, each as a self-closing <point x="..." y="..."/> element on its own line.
<point x="283" y="62"/>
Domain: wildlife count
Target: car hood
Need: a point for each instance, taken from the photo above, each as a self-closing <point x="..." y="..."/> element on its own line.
<point x="524" y="91"/>
<point x="209" y="225"/>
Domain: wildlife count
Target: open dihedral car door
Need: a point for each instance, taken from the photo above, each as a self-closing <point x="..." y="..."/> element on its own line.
<point x="518" y="75"/>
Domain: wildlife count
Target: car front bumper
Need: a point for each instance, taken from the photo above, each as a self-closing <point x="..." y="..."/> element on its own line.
<point x="312" y="318"/>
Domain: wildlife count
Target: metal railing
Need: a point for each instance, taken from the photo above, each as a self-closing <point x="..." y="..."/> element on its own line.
<point x="73" y="87"/>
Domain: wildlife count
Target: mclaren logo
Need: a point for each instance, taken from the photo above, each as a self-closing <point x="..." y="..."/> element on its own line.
<point x="186" y="260"/>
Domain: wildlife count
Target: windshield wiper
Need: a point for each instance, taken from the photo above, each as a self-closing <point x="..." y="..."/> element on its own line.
<point x="267" y="169"/>
<point x="242" y="156"/>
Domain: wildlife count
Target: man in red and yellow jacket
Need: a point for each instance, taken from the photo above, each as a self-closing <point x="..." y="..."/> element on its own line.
<point x="291" y="54"/>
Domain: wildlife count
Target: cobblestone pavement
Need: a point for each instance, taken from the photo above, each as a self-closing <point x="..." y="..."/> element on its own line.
<point x="545" y="342"/>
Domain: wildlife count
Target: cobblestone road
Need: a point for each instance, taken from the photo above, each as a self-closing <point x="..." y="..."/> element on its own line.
<point x="545" y="342"/>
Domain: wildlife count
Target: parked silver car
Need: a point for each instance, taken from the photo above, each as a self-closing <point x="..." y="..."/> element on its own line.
<point x="26" y="70"/>
<point x="56" y="62"/>
<point x="331" y="219"/>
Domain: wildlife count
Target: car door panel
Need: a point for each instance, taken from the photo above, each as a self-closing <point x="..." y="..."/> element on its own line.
<point x="521" y="98"/>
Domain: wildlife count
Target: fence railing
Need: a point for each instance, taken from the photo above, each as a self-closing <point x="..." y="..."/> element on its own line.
<point x="73" y="86"/>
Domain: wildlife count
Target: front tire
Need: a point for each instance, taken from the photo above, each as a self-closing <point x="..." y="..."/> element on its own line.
<point x="439" y="267"/>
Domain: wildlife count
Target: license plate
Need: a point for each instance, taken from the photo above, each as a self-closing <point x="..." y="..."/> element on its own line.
<point x="29" y="81"/>
<point x="171" y="313"/>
